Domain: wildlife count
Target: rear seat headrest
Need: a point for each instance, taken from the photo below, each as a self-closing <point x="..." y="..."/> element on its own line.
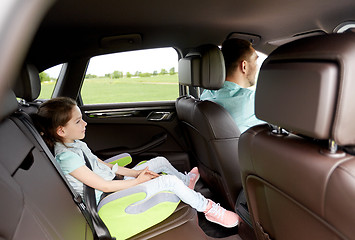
<point x="308" y="86"/>
<point x="203" y="68"/>
<point x="28" y="85"/>
<point x="8" y="105"/>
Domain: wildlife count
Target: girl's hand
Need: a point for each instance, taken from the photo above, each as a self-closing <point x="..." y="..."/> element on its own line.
<point x="148" y="172"/>
<point x="146" y="175"/>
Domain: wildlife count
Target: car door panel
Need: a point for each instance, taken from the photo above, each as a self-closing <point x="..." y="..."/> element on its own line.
<point x="144" y="130"/>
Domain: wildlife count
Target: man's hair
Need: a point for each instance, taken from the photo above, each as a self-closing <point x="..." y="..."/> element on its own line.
<point x="234" y="51"/>
<point x="52" y="114"/>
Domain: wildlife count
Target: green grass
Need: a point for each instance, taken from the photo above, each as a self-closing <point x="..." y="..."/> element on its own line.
<point x="46" y="90"/>
<point x="105" y="90"/>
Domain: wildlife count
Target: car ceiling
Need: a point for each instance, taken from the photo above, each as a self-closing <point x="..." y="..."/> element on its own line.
<point x="74" y="29"/>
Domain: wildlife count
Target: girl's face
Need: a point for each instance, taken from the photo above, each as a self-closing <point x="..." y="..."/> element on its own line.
<point x="75" y="127"/>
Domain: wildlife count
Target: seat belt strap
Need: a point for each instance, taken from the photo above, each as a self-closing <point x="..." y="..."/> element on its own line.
<point x="101" y="230"/>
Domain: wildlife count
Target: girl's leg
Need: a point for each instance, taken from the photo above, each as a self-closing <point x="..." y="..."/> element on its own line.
<point x="161" y="164"/>
<point x="174" y="184"/>
<point x="213" y="212"/>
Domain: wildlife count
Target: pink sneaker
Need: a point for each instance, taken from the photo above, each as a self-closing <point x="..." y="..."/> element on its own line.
<point x="194" y="177"/>
<point x="217" y="214"/>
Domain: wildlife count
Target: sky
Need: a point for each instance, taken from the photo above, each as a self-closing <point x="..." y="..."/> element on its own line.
<point x="142" y="61"/>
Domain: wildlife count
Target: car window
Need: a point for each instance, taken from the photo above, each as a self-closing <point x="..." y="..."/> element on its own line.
<point x="261" y="59"/>
<point x="135" y="76"/>
<point x="48" y="80"/>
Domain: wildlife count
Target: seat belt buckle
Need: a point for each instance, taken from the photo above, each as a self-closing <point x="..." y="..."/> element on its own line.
<point x="78" y="199"/>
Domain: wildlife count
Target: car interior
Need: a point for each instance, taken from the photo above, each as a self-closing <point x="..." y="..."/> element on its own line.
<point x="211" y="145"/>
<point x="291" y="178"/>
<point x="303" y="170"/>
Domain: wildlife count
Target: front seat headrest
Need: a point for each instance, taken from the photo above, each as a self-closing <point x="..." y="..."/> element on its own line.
<point x="203" y="67"/>
<point x="307" y="86"/>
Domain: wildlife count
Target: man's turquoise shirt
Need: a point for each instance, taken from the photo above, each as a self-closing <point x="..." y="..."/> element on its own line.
<point x="238" y="101"/>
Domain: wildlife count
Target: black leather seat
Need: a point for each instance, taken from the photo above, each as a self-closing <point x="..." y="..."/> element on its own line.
<point x="36" y="195"/>
<point x="301" y="185"/>
<point x="211" y="130"/>
<point x="27" y="88"/>
<point x="28" y="84"/>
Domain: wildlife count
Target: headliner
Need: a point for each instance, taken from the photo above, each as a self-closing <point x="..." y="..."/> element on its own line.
<point x="75" y="29"/>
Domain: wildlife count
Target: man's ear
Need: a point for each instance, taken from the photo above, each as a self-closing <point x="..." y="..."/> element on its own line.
<point x="60" y="131"/>
<point x="243" y="66"/>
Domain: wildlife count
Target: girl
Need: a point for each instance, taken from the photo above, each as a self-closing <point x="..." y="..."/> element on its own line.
<point x="62" y="127"/>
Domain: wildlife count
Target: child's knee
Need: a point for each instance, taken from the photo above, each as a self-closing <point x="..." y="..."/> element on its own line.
<point x="171" y="180"/>
<point x="160" y="160"/>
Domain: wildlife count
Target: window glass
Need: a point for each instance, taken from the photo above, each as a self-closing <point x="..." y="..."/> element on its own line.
<point x="261" y="59"/>
<point x="135" y="76"/>
<point x="48" y="79"/>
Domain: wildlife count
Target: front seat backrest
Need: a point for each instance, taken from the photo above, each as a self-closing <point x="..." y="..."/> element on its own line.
<point x="211" y="130"/>
<point x="300" y="185"/>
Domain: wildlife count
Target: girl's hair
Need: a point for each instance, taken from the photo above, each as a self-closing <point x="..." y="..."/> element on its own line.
<point x="52" y="114"/>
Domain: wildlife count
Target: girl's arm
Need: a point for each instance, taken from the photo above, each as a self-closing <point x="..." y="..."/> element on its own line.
<point x="127" y="171"/>
<point x="107" y="164"/>
<point x="121" y="170"/>
<point x="88" y="177"/>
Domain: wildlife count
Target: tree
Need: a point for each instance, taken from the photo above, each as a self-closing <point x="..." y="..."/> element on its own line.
<point x="117" y="74"/>
<point x="128" y="74"/>
<point x="90" y="76"/>
<point x="163" y="71"/>
<point x="44" y="77"/>
<point x="172" y="71"/>
<point x="155" y="73"/>
<point x="145" y="74"/>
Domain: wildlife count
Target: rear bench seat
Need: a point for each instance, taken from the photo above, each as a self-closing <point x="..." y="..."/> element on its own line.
<point x="36" y="201"/>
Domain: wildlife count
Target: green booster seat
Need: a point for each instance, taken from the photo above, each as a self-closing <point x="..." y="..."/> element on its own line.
<point x="129" y="212"/>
